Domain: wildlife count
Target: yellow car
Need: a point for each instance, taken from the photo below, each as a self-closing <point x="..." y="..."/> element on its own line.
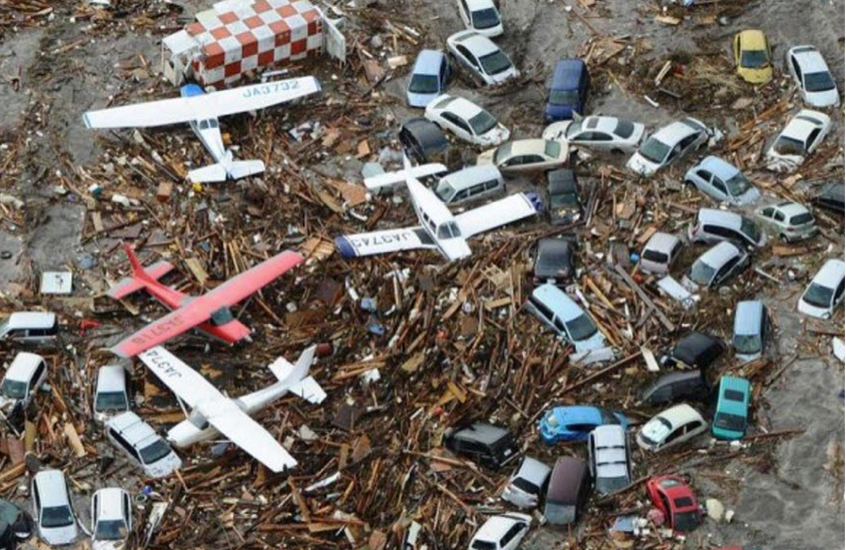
<point x="753" y="57"/>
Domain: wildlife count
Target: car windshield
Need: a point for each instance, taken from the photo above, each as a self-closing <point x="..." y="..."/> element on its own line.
<point x="656" y="430"/>
<point x="748" y="228"/>
<point x="789" y="146"/>
<point x="113" y="529"/>
<point x="155" y="452"/>
<point x="819" y="82"/>
<point x="818" y="295"/>
<point x="483" y="545"/>
<point x="13" y="389"/>
<point x="654" y="150"/>
<point x="655" y="256"/>
<point x="563" y="199"/>
<point x="558" y="514"/>
<point x="8" y="512"/>
<point x="581" y="328"/>
<point x="552" y="149"/>
<point x="624" y="129"/>
<point x="485" y="19"/>
<point x="701" y="273"/>
<point x="526" y="486"/>
<point x="563" y="97"/>
<point x="502" y="153"/>
<point x="495" y="63"/>
<point x="611" y="484"/>
<point x="686" y="521"/>
<point x="423" y="84"/>
<point x="56" y="516"/>
<point x="110" y="400"/>
<point x="754" y="59"/>
<point x="738" y="184"/>
<point x="482" y="123"/>
<point x="730" y="422"/>
<point x="573" y="129"/>
<point x="448" y="230"/>
<point x="551" y="419"/>
<point x="802" y="219"/>
<point x="747" y="343"/>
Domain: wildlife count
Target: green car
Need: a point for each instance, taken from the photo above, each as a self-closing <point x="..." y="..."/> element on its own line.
<point x="731" y="416"/>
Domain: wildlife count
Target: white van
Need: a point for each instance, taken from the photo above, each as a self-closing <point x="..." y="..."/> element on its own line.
<point x="469" y="184"/>
<point x="30" y="326"/>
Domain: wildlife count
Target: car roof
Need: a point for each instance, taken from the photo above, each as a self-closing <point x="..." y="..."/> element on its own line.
<point x="494" y="528"/>
<point x="612" y="462"/>
<point x="735" y="383"/>
<point x="677" y="376"/>
<point x="809" y="58"/>
<point x="111" y="378"/>
<point x="472" y="175"/>
<point x="464" y="108"/>
<point x="477" y="44"/>
<point x="566" y="478"/>
<point x="609" y="434"/>
<point x="565" y="75"/>
<point x="803" y="123"/>
<point x="662" y="242"/>
<point x="747" y="317"/>
<point x="719" y="254"/>
<point x="23" y="365"/>
<point x="831" y="273"/>
<point x="533" y="470"/>
<point x="31" y="319"/>
<point x="680" y="489"/>
<point x="526" y="146"/>
<point x="790" y="208"/>
<point x="680" y="414"/>
<point x="561" y="180"/>
<point x="484" y="433"/>
<point x="720" y="217"/>
<point x="555" y="299"/>
<point x="52" y="488"/>
<point x="677" y="131"/>
<point x="724" y="170"/>
<point x="691" y="347"/>
<point x="111" y="502"/>
<point x="426" y="132"/>
<point x="602" y="123"/>
<point x="575" y="414"/>
<point x="428" y="62"/>
<point x="136" y="432"/>
<point x="554" y="245"/>
<point x="753" y="39"/>
<point x="474" y="5"/>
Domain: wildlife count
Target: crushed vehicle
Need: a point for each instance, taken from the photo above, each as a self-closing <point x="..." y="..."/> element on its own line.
<point x="526" y="155"/>
<point x="799" y="138"/>
<point x="813" y="77"/>
<point x="423" y="141"/>
<point x="732" y="413"/>
<point x="470" y="184"/>
<point x="30" y="327"/>
<point x="689" y="385"/>
<point x="753" y="56"/>
<point x="142" y="445"/>
<point x="609" y="458"/>
<point x="713" y="226"/>
<point x="696" y="350"/>
<point x="716" y="266"/>
<point x="489" y="445"/>
<point x="575" y="422"/>
<point x="830" y="197"/>
<point x="504" y="532"/>
<point x="660" y="253"/>
<point x="751" y="330"/>
<point x="527" y="483"/>
<point x="670" y="428"/>
<point x="674" y="497"/>
<point x="481" y="16"/>
<point x="52" y="509"/>
<point x="564" y="317"/>
<point x="111" y="518"/>
<point x="16" y="525"/>
<point x="111" y="395"/>
<point x="21" y="381"/>
<point x="565" y="201"/>
<point x="568" y="491"/>
<point x="554" y="261"/>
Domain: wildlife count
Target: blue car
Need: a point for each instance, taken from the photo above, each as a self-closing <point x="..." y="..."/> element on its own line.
<point x="574" y="423"/>
<point x="428" y="78"/>
<point x="568" y="91"/>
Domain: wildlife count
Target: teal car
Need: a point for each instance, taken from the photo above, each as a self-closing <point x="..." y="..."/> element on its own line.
<point x="731" y="416"/>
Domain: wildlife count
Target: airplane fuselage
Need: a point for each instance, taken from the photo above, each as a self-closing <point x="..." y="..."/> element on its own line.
<point x="437" y="221"/>
<point x="207" y="130"/>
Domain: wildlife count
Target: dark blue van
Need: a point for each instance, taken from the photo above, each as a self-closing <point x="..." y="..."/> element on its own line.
<point x="568" y="91"/>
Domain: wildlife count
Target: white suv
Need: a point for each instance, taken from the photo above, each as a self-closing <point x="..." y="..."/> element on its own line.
<point x="137" y="440"/>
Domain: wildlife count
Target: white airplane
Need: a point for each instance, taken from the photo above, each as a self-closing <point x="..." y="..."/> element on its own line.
<point x="201" y="110"/>
<point x="213" y="413"/>
<point x="439" y="229"/>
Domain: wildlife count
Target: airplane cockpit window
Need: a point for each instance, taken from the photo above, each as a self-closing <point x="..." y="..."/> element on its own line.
<point x="204" y="124"/>
<point x="448" y="230"/>
<point x="213" y="123"/>
<point x="221" y="316"/>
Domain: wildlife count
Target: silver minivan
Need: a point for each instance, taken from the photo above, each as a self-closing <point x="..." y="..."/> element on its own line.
<point x="527" y="484"/>
<point x="469" y="184"/>
<point x="111" y="396"/>
<point x="751" y="326"/>
<point x="35" y="327"/>
<point x="712" y="226"/>
<point x="137" y="440"/>
<point x="52" y="508"/>
<point x="609" y="458"/>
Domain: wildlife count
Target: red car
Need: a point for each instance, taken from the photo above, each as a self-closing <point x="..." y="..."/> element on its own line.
<point x="671" y="495"/>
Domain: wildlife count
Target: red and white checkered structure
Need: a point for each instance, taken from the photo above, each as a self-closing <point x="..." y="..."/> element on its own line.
<point x="237" y="36"/>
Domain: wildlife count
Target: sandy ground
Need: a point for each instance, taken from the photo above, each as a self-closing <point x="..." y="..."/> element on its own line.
<point x="793" y="505"/>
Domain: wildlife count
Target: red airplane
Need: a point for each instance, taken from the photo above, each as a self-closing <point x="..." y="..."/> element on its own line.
<point x="209" y="312"/>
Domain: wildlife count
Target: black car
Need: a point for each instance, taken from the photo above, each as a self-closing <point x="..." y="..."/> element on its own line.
<point x="554" y="261"/>
<point x="677" y="386"/>
<point x="830" y="197"/>
<point x="15" y="525"/>
<point x="696" y="350"/>
<point x="486" y="444"/>
<point x="423" y="142"/>
<point x="565" y="202"/>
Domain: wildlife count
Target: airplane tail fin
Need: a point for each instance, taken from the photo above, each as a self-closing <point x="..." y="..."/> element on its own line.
<point x="296" y="377"/>
<point x="141" y="277"/>
<point x="213" y="173"/>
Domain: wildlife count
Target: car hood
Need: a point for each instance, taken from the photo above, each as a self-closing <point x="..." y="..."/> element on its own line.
<point x="597" y="341"/>
<point x="420" y="100"/>
<point x="640" y="165"/>
<point x="751" y="195"/>
<point x="827" y="98"/>
<point x="783" y="163"/>
<point x="813" y="311"/>
<point x="756" y="76"/>
<point x="165" y="466"/>
<point x="497" y="135"/>
<point x="57" y="536"/>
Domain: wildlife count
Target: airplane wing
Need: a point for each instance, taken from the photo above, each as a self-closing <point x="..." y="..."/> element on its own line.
<point x="394" y="179"/>
<point x="499" y="213"/>
<point x="201" y="106"/>
<point x="381" y="242"/>
<point x="201" y="309"/>
<point x="219" y="411"/>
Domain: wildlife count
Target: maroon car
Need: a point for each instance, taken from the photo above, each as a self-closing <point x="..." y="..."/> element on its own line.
<point x="671" y="495"/>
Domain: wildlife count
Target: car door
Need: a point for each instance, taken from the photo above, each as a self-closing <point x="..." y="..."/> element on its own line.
<point x="724" y="271"/>
<point x="444" y="74"/>
<point x="813" y="140"/>
<point x="508" y="540"/>
<point x="95" y="514"/>
<point x="688" y="143"/>
<point x="719" y="188"/>
<point x="465" y="57"/>
<point x="736" y="48"/>
<point x="36" y="498"/>
<point x="531" y="162"/>
<point x="838" y="294"/>
<point x="797" y="72"/>
<point x="460" y="127"/>
<point x="35" y="380"/>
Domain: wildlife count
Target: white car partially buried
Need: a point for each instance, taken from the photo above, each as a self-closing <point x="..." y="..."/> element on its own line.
<point x="801" y="137"/>
<point x="466" y="120"/>
<point x="602" y="133"/>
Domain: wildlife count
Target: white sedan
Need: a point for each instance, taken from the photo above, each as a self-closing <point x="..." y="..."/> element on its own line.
<point x="667" y="145"/>
<point x="483" y="59"/>
<point x="466" y="120"/>
<point x="811" y="73"/>
<point x="604" y="133"/>
<point x="802" y="135"/>
<point x="526" y="155"/>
